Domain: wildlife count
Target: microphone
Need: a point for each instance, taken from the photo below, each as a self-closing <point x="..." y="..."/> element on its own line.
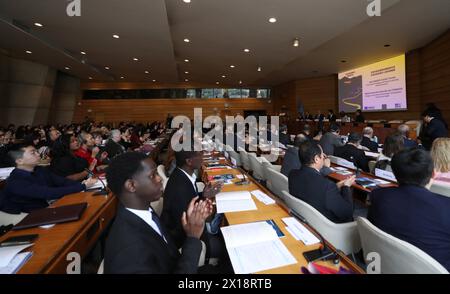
<point x="358" y="170"/>
<point x="103" y="191"/>
<point x="323" y="253"/>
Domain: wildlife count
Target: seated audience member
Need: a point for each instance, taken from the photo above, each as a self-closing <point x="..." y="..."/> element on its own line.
<point x="5" y="146"/>
<point x="440" y="153"/>
<point x="180" y="189"/>
<point x="53" y="135"/>
<point x="307" y="131"/>
<point x="333" y="200"/>
<point x="359" y="118"/>
<point x="291" y="160"/>
<point x="331" y="116"/>
<point x="352" y="153"/>
<point x="403" y="130"/>
<point x="344" y="117"/>
<point x="113" y="146"/>
<point x="367" y="140"/>
<point x="411" y="212"/>
<point x="138" y="242"/>
<point x="29" y="186"/>
<point x="65" y="164"/>
<point x="392" y="145"/>
<point x="89" y="151"/>
<point x="331" y="140"/>
<point x="285" y="139"/>
<point x="432" y="128"/>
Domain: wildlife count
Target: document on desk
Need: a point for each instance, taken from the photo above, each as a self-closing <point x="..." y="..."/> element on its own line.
<point x="16" y="263"/>
<point x="98" y="184"/>
<point x="299" y="231"/>
<point x="5" y="172"/>
<point x="9" y="252"/>
<point x="234" y="201"/>
<point x="372" y="154"/>
<point x="263" y="197"/>
<point x="246" y="242"/>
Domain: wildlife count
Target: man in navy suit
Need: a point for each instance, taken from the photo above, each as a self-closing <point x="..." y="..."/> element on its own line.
<point x="404" y="131"/>
<point x="411" y="212"/>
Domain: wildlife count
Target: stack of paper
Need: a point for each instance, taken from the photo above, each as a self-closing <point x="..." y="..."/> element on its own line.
<point x="263" y="197"/>
<point x="234" y="201"/>
<point x="299" y="232"/>
<point x="11" y="260"/>
<point x="5" y="172"/>
<point x="255" y="247"/>
<point x="99" y="184"/>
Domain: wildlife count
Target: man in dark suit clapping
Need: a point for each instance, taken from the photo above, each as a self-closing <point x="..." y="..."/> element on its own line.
<point x="138" y="242"/>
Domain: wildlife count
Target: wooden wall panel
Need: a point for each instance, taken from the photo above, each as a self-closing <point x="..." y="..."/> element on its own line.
<point x="318" y="94"/>
<point x="436" y="74"/>
<point x="142" y="110"/>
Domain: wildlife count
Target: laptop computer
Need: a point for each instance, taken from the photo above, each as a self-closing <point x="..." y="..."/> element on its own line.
<point x="53" y="215"/>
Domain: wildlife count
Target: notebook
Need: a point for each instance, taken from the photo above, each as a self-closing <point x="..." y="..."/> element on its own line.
<point x="52" y="215"/>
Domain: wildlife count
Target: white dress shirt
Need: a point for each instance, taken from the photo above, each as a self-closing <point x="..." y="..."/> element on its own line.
<point x="146" y="216"/>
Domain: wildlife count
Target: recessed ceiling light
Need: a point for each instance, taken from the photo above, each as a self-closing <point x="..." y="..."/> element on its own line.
<point x="259" y="68"/>
<point x="187" y="1"/>
<point x="90" y="78"/>
<point x="106" y="67"/>
<point x="28" y="52"/>
<point x="186" y="72"/>
<point x="240" y="82"/>
<point x="217" y="83"/>
<point x="146" y="71"/>
<point x="154" y="81"/>
<point x="122" y="77"/>
<point x="246" y="50"/>
<point x="186" y="40"/>
<point x="38" y="24"/>
<point x="224" y="76"/>
<point x="272" y="20"/>
<point x="232" y="66"/>
<point x="186" y="80"/>
<point x="135" y="59"/>
<point x="186" y="60"/>
<point x="296" y="42"/>
<point x="116" y="36"/>
<point x="66" y="68"/>
<point x="83" y="53"/>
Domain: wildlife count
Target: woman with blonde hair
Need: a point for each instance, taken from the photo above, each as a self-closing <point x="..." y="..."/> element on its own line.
<point x="440" y="152"/>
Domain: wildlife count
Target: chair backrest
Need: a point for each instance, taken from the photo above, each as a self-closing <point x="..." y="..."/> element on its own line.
<point x="277" y="182"/>
<point x="8" y="219"/>
<point x="244" y="159"/>
<point x="396" y="256"/>
<point x="441" y="189"/>
<point x="342" y="236"/>
<point x="162" y="173"/>
<point x="255" y="163"/>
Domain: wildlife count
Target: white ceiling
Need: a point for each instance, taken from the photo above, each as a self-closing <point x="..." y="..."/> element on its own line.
<point x="219" y="30"/>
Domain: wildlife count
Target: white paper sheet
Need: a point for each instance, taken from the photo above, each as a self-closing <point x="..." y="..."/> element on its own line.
<point x="300" y="232"/>
<point x="263" y="197"/>
<point x="9" y="252"/>
<point x="234" y="201"/>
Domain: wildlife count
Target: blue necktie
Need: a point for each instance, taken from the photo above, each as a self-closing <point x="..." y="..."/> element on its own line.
<point x="157" y="221"/>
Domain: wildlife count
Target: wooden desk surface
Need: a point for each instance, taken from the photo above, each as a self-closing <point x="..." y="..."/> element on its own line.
<point x="276" y="212"/>
<point x="52" y="246"/>
<point x="338" y="177"/>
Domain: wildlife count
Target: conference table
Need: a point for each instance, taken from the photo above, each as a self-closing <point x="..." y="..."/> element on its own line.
<point x="275" y="212"/>
<point x="53" y="251"/>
